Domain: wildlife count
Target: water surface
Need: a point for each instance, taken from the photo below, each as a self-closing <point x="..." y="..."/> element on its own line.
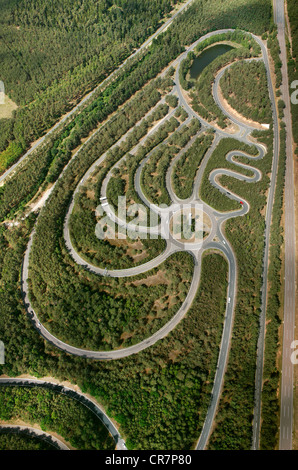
<point x="206" y="57"/>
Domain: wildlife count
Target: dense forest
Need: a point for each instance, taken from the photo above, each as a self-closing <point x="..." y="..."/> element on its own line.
<point x="53" y="54"/>
<point x="255" y="103"/>
<point x="19" y="440"/>
<point x="55" y="412"/>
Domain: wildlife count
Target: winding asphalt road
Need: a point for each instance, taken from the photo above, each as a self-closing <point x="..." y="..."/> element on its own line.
<point x="215" y="240"/>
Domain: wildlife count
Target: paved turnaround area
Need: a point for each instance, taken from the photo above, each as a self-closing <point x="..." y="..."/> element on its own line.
<point x="215" y="240"/>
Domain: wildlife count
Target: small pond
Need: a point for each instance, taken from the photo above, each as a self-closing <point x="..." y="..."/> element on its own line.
<point x="206" y="57"/>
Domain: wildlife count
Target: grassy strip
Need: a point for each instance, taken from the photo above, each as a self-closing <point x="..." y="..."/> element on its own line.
<point x="9" y="155"/>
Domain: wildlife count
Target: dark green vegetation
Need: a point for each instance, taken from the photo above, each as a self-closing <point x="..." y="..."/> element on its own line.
<point x="55" y="412"/>
<point x="208" y="192"/>
<point x="204" y="16"/>
<point x="271" y="375"/>
<point x="21" y="441"/>
<point x="150" y="393"/>
<point x="246" y="235"/>
<point x="185" y="67"/>
<point x="172" y="101"/>
<point x="53" y="54"/>
<point x="153" y="177"/>
<point x="200" y="18"/>
<point x="107" y="322"/>
<point x="185" y="169"/>
<point x="201" y="91"/>
<point x="87" y="239"/>
<point x="254" y="102"/>
<point x="46" y="164"/>
<point x="293" y="62"/>
<point x="8" y="156"/>
<point x="181" y="114"/>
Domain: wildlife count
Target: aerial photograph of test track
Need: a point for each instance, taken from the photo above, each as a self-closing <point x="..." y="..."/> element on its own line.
<point x="123" y="123"/>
